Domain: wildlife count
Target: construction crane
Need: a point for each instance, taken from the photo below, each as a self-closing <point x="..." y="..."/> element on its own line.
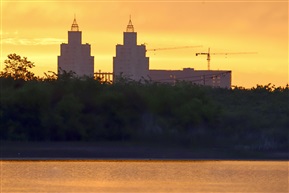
<point x="173" y="48"/>
<point x="220" y="53"/>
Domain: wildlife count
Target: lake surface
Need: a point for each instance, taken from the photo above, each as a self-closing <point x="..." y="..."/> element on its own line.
<point x="144" y="176"/>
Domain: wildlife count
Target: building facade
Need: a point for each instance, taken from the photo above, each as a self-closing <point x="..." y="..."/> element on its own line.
<point x="75" y="56"/>
<point x="214" y="78"/>
<point x="130" y="60"/>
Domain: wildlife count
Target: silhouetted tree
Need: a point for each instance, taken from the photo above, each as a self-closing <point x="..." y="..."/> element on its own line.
<point x="66" y="75"/>
<point x="50" y="76"/>
<point x="18" y="68"/>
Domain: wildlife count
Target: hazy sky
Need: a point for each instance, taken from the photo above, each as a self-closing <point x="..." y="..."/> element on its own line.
<point x="36" y="29"/>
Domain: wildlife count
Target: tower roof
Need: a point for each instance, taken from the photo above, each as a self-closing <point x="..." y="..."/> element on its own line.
<point x="74" y="26"/>
<point x="129" y="27"/>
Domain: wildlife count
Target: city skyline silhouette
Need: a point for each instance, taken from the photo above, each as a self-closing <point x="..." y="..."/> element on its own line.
<point x="242" y="27"/>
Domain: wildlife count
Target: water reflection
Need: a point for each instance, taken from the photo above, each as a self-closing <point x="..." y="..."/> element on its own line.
<point x="144" y="176"/>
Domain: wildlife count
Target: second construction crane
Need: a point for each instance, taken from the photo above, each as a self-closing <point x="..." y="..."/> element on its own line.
<point x="220" y="53"/>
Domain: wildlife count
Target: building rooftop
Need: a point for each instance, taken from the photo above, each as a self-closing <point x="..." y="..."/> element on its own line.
<point x="74" y="26"/>
<point x="129" y="27"/>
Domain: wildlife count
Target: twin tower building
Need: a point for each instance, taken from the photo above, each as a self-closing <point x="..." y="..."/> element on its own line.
<point x="130" y="60"/>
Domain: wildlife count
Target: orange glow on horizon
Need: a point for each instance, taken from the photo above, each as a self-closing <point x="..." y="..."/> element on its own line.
<point x="234" y="26"/>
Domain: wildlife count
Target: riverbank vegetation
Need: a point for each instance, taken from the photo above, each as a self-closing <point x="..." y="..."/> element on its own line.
<point x="73" y="109"/>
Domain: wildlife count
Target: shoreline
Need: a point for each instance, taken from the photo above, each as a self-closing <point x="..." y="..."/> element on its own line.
<point x="117" y="151"/>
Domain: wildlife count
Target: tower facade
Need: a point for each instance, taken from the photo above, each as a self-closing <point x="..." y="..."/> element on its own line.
<point x="130" y="60"/>
<point x="75" y="56"/>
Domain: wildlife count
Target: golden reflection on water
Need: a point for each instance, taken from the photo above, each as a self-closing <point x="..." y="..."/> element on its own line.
<point x="144" y="176"/>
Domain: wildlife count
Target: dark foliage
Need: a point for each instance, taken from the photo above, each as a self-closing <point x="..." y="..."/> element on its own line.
<point x="63" y="107"/>
<point x="18" y="68"/>
<point x="185" y="114"/>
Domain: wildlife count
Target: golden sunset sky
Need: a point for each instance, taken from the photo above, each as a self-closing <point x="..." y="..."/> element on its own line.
<point x="35" y="29"/>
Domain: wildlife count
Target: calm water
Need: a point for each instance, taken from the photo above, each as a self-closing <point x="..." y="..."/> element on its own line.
<point x="144" y="176"/>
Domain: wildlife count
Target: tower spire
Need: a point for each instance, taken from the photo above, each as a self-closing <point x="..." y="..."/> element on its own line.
<point x="74" y="26"/>
<point x="129" y="27"/>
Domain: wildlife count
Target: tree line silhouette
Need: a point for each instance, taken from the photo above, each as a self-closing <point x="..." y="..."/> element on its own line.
<point x="63" y="107"/>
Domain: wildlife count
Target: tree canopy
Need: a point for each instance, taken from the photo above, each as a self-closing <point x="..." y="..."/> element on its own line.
<point x="65" y="107"/>
<point x="17" y="67"/>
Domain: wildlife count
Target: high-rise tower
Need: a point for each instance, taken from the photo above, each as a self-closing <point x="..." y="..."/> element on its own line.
<point x="75" y="56"/>
<point x="130" y="60"/>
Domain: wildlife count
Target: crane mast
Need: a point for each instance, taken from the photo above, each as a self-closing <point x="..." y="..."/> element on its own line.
<point x="208" y="54"/>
